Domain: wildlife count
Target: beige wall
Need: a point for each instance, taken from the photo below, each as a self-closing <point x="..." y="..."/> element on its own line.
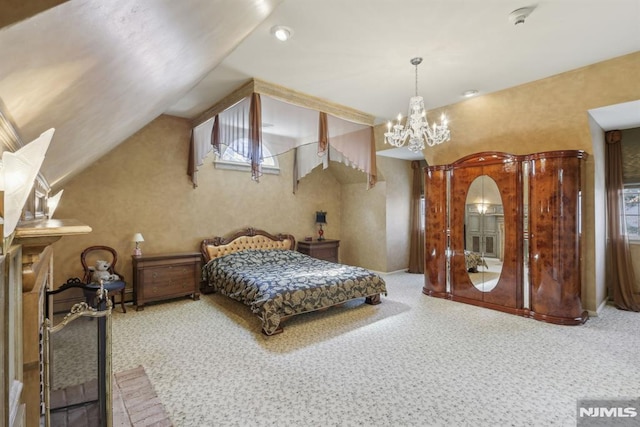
<point x="592" y="241"/>
<point x="363" y="227"/>
<point x="398" y="174"/>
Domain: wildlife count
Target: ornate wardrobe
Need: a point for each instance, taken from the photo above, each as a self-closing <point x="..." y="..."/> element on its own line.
<point x="503" y="232"/>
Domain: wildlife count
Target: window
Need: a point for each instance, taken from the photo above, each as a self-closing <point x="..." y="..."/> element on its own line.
<point x="632" y="210"/>
<point x="230" y="159"/>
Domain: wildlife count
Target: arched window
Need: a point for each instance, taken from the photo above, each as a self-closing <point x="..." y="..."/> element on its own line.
<point x="230" y="159"/>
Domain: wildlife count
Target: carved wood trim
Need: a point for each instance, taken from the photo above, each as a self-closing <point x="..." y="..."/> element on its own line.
<point x="287" y="95"/>
<point x="247" y="232"/>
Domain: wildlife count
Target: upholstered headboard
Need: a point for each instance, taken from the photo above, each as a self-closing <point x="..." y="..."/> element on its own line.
<point x="249" y="238"/>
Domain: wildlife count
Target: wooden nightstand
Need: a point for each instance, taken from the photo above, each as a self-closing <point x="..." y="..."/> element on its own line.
<point x="321" y="249"/>
<point x="164" y="276"/>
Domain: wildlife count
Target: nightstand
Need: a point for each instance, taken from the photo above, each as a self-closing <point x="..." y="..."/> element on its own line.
<point x="322" y="249"/>
<point x="164" y="276"/>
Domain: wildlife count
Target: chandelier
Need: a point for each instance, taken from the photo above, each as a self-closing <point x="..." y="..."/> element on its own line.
<point x="417" y="130"/>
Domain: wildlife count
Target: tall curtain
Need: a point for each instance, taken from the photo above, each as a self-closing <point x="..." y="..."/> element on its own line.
<point x="255" y="136"/>
<point x="199" y="147"/>
<point x="621" y="275"/>
<point x="323" y="133"/>
<point x="416" y="247"/>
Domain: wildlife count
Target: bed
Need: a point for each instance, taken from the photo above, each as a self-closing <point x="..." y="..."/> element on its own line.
<point x="473" y="260"/>
<point x="264" y="272"/>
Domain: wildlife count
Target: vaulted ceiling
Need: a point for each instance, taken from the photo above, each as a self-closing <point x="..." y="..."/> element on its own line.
<point x="98" y="71"/>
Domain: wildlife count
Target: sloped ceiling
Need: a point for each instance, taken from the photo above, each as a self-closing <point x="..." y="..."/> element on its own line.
<point x="98" y="71"/>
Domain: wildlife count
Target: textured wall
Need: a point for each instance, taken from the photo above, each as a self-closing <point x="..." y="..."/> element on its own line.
<point x="364" y="236"/>
<point x="592" y="242"/>
<point x="398" y="211"/>
<point x="142" y="186"/>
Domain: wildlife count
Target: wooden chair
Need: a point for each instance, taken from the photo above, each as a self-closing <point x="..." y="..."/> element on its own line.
<point x="93" y="253"/>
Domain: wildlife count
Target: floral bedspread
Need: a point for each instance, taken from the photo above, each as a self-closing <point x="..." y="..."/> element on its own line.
<point x="473" y="260"/>
<point x="278" y="283"/>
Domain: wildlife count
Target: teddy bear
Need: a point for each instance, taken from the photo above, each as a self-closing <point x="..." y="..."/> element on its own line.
<point x="101" y="272"/>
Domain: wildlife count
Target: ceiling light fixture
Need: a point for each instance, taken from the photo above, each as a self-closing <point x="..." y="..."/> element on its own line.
<point x="469" y="93"/>
<point x="518" y="16"/>
<point x="417" y="129"/>
<point x="18" y="171"/>
<point x="281" y="32"/>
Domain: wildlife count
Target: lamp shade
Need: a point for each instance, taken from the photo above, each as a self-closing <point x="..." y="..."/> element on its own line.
<point x="137" y="238"/>
<point x="18" y="174"/>
<point x="52" y="203"/>
<point x="321" y="217"/>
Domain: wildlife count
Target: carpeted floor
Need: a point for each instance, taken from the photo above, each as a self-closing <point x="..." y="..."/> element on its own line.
<point x="410" y="361"/>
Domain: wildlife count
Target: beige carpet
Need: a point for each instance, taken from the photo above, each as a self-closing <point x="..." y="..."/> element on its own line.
<point x="413" y="360"/>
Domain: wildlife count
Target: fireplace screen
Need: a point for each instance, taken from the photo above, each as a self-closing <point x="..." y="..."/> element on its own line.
<point x="77" y="365"/>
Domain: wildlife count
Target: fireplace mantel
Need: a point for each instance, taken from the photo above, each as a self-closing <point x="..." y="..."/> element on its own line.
<point x="35" y="239"/>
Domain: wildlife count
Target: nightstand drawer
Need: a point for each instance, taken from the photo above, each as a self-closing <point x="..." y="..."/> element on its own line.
<point x="167" y="281"/>
<point x="159" y="277"/>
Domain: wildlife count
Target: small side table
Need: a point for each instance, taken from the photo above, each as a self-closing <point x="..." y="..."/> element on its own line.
<point x="164" y="276"/>
<point x="322" y="249"/>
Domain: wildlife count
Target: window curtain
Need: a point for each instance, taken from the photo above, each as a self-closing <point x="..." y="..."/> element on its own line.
<point x="621" y="275"/>
<point x="416" y="245"/>
<point x="339" y="141"/>
<point x="316" y="136"/>
<point x="199" y="148"/>
<point x="255" y="136"/>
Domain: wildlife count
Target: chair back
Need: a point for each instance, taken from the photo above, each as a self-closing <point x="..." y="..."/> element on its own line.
<point x="90" y="255"/>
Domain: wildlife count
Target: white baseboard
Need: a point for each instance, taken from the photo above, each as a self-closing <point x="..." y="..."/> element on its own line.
<point x="404" y="270"/>
<point x="599" y="309"/>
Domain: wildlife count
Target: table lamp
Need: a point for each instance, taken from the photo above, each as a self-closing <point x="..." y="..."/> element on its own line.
<point x="321" y="219"/>
<point x="137" y="238"/>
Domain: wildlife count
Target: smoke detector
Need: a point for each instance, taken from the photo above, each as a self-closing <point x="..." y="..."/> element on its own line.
<point x="518" y="16"/>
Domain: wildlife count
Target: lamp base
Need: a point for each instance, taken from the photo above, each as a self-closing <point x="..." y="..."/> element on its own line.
<point x="320" y="233"/>
<point x="137" y="252"/>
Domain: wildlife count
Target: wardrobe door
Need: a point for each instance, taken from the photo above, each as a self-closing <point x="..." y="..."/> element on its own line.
<point x="506" y="291"/>
<point x="436" y="231"/>
<point x="554" y="239"/>
<point x="462" y="224"/>
<point x="486" y="255"/>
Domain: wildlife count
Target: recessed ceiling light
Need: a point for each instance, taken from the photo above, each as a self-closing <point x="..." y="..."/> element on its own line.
<point x="469" y="93"/>
<point x="281" y="32"/>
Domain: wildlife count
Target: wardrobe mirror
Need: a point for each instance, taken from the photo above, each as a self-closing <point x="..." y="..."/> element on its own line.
<point x="484" y="233"/>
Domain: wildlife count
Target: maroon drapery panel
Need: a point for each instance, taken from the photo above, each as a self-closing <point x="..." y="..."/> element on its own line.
<point x="255" y="136"/>
<point x="416" y="245"/>
<point x="323" y="133"/>
<point x="373" y="168"/>
<point x="621" y="277"/>
<point x="191" y="166"/>
<point x="215" y="134"/>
